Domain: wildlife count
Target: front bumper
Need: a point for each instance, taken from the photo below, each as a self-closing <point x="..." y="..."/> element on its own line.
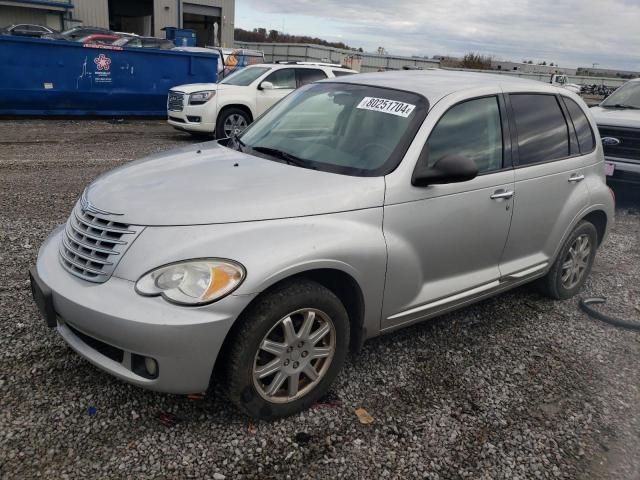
<point x="625" y="171"/>
<point x="112" y="326"/>
<point x="193" y="118"/>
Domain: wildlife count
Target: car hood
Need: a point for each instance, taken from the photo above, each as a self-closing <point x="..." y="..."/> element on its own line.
<point x="616" y="117"/>
<point x="208" y="183"/>
<point x="199" y="87"/>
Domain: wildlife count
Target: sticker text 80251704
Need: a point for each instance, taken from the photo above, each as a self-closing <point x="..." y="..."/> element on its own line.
<point x="385" y="105"/>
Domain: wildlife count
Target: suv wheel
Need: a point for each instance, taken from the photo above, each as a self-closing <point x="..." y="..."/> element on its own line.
<point x="231" y="121"/>
<point x="289" y="349"/>
<point x="571" y="269"/>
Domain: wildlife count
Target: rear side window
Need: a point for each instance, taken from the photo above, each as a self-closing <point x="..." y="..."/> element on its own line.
<point x="472" y="129"/>
<point x="543" y="133"/>
<point x="586" y="139"/>
<point x="340" y="73"/>
<point x="306" y="76"/>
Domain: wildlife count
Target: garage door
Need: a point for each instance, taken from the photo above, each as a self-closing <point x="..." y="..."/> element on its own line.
<point x="201" y="10"/>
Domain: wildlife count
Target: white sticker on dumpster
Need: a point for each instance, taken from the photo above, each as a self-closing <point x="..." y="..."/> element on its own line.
<point x="385" y="105"/>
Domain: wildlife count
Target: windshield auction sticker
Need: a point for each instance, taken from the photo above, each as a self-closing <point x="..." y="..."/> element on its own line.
<point x="384" y="105"/>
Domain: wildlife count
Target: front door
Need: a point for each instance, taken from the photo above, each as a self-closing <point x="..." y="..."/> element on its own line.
<point x="446" y="246"/>
<point x="283" y="82"/>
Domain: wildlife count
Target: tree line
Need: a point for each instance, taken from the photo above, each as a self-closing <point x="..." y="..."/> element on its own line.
<point x="274" y="36"/>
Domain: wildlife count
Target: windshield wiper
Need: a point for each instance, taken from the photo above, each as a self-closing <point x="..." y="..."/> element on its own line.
<point x="622" y="105"/>
<point x="239" y="143"/>
<point x="287" y="157"/>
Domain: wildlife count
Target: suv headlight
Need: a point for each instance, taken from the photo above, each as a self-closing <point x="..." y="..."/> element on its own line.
<point x="192" y="282"/>
<point x="199" y="98"/>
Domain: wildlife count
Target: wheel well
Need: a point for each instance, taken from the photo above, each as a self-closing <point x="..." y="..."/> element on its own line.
<point x="244" y="108"/>
<point x="341" y="284"/>
<point x="599" y="220"/>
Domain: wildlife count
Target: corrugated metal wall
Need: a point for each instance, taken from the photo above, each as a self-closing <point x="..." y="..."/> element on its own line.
<point x="94" y="13"/>
<point x="546" y="77"/>
<point x="274" y="52"/>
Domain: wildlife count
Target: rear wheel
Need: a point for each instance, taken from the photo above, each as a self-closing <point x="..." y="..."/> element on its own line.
<point x="573" y="264"/>
<point x="290" y="347"/>
<point x="232" y="121"/>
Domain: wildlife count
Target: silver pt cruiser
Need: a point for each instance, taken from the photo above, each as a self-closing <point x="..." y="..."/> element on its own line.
<point x="353" y="207"/>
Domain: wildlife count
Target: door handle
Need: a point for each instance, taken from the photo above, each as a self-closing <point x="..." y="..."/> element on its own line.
<point x="575" y="178"/>
<point x="499" y="194"/>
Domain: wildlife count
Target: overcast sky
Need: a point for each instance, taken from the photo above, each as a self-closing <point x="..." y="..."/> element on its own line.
<point x="570" y="32"/>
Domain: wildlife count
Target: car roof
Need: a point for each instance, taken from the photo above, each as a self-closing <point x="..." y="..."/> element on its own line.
<point x="436" y="83"/>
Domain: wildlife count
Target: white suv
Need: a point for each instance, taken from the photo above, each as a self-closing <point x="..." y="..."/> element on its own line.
<point x="228" y="107"/>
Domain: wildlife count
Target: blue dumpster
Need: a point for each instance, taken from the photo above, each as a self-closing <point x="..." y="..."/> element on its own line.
<point x="182" y="37"/>
<point x="51" y="77"/>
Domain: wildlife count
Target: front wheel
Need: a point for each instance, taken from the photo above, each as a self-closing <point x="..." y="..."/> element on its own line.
<point x="232" y="121"/>
<point x="573" y="264"/>
<point x="288" y="350"/>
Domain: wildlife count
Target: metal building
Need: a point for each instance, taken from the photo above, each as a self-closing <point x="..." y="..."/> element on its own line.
<point x="213" y="20"/>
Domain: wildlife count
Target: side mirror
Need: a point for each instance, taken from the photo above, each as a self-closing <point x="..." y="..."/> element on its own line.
<point x="266" y="86"/>
<point x="449" y="169"/>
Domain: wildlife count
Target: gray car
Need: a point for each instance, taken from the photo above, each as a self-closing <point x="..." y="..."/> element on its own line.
<point x="353" y="207"/>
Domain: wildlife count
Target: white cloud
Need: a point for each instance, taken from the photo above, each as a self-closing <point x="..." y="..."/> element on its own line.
<point x="571" y="32"/>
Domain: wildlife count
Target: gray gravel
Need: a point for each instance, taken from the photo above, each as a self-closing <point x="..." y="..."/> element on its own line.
<point x="515" y="387"/>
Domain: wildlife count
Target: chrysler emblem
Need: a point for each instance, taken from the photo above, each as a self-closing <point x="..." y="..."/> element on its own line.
<point x="611" y="141"/>
<point x="88" y="207"/>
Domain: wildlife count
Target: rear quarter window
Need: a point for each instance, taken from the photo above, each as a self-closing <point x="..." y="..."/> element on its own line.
<point x="586" y="138"/>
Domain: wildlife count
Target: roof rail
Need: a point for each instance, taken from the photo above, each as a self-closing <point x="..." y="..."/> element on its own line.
<point x="321" y="64"/>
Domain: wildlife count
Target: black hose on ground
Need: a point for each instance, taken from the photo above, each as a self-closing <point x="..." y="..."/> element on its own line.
<point x="584" y="306"/>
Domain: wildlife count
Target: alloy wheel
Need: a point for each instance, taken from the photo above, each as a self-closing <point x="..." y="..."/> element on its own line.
<point x="576" y="262"/>
<point x="234" y="124"/>
<point x="294" y="355"/>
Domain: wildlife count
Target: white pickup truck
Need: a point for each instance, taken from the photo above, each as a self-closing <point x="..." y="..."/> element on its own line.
<point x="563" y="81"/>
<point x="618" y="119"/>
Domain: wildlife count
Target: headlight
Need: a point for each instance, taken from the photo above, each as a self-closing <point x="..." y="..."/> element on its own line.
<point x="192" y="282"/>
<point x="199" y="98"/>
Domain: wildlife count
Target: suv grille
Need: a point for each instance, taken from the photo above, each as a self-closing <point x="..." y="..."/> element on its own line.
<point x="175" y="102"/>
<point x="92" y="246"/>
<point x="629" y="147"/>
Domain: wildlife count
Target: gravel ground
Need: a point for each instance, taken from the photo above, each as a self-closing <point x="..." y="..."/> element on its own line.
<point x="515" y="387"/>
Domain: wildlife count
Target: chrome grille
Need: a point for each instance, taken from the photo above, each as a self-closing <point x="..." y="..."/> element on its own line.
<point x="629" y="146"/>
<point x="92" y="246"/>
<point x="175" y="101"/>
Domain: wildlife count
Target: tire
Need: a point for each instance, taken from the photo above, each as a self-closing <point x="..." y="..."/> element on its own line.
<point x="237" y="117"/>
<point x="557" y="284"/>
<point x="266" y="319"/>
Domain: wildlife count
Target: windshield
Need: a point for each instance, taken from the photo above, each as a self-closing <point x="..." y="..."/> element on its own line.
<point x="245" y="77"/>
<point x="338" y="127"/>
<point x="627" y="95"/>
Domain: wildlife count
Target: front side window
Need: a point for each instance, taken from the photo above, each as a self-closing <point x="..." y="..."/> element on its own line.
<point x="309" y="75"/>
<point x="284" y="78"/>
<point x="244" y="77"/>
<point x="543" y="133"/>
<point x="472" y="129"/>
<point x="337" y="127"/>
<point x="586" y="139"/>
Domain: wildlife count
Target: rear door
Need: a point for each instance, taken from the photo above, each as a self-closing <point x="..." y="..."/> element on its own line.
<point x="283" y="81"/>
<point x="550" y="191"/>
